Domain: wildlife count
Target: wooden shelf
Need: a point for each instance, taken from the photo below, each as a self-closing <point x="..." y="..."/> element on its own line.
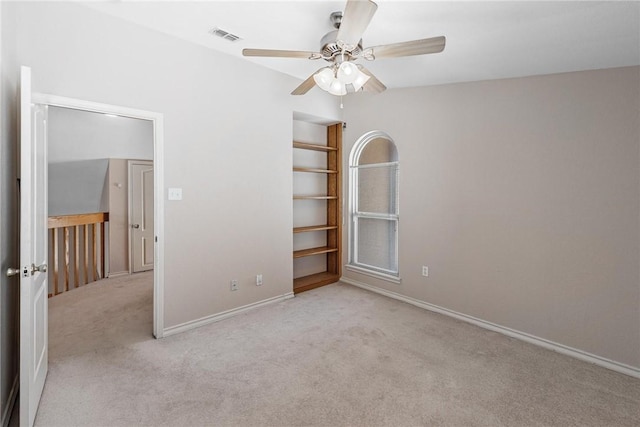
<point x="314" y="228"/>
<point x="315" y="197"/>
<point x="314" y="147"/>
<point x="314" y="251"/>
<point x="327" y="258"/>
<point x="314" y="281"/>
<point x="329" y="171"/>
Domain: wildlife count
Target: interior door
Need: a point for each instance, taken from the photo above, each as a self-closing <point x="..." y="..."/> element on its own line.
<point x="33" y="252"/>
<point x="141" y="214"/>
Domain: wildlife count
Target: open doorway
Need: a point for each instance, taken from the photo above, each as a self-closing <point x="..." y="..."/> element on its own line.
<point x="100" y="196"/>
<point x="91" y="170"/>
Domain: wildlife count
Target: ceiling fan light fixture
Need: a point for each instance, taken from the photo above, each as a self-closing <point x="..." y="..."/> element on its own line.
<point x="337" y="88"/>
<point x="347" y="72"/>
<point x="324" y="78"/>
<point x="360" y="80"/>
<point x="346" y="79"/>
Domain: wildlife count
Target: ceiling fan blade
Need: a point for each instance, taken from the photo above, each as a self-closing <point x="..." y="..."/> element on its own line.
<point x="273" y="53"/>
<point x="305" y="86"/>
<point x="414" y="47"/>
<point x="356" y="18"/>
<point x="373" y="84"/>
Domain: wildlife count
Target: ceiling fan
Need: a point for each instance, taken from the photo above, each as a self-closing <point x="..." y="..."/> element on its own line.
<point x="342" y="46"/>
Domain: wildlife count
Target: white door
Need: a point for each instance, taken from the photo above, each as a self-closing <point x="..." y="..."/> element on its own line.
<point x="33" y="252"/>
<point x="141" y="215"/>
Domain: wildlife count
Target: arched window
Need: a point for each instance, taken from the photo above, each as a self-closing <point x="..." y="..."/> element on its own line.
<point x="373" y="228"/>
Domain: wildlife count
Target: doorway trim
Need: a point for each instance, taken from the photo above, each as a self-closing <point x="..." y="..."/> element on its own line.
<point x="158" y="188"/>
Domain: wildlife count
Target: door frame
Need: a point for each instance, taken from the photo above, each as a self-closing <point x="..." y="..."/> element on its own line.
<point x="130" y="164"/>
<point x="158" y="185"/>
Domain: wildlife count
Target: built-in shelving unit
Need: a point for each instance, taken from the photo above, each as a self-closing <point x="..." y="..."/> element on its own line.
<point x="332" y="229"/>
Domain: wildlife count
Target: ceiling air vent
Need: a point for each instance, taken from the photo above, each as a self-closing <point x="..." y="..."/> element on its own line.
<point x="224" y="34"/>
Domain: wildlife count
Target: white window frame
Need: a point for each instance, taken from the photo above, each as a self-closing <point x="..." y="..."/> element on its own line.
<point x="355" y="215"/>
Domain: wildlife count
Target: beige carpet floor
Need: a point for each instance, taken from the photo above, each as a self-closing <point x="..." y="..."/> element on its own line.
<point x="334" y="356"/>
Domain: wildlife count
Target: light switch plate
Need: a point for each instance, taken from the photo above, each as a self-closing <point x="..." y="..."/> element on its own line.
<point x="175" y="194"/>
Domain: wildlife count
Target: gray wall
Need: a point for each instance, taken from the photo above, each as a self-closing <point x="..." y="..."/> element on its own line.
<point x="78" y="187"/>
<point x="522" y="196"/>
<point x="228" y="146"/>
<point x="9" y="257"/>
<point x="79" y="146"/>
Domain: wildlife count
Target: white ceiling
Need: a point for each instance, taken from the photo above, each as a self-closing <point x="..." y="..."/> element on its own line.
<point x="485" y="40"/>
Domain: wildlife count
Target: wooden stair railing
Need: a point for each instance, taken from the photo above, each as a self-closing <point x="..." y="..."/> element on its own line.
<point x="76" y="250"/>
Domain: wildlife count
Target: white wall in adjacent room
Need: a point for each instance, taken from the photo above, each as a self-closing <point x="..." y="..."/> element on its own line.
<point x="75" y="135"/>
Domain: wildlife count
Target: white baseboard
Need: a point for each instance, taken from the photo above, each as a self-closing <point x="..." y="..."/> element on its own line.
<point x="560" y="348"/>
<point x="187" y="326"/>
<point x="11" y="401"/>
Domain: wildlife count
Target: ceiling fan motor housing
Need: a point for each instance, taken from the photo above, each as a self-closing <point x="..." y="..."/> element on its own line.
<point x="330" y="48"/>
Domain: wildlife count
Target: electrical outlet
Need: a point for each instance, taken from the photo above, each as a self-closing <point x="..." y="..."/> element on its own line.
<point x="234" y="285"/>
<point x="425" y="271"/>
<point x="259" y="280"/>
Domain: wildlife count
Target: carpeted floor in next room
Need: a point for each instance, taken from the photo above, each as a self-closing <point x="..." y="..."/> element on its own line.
<point x="334" y="356"/>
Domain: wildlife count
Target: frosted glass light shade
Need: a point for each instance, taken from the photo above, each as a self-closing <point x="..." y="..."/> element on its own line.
<point x="324" y="78"/>
<point x="337" y="88"/>
<point x="348" y="72"/>
<point x="360" y="80"/>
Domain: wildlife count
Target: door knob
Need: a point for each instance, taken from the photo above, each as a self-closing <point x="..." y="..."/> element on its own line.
<point x="135" y="226"/>
<point x="41" y="268"/>
<point x="12" y="271"/>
